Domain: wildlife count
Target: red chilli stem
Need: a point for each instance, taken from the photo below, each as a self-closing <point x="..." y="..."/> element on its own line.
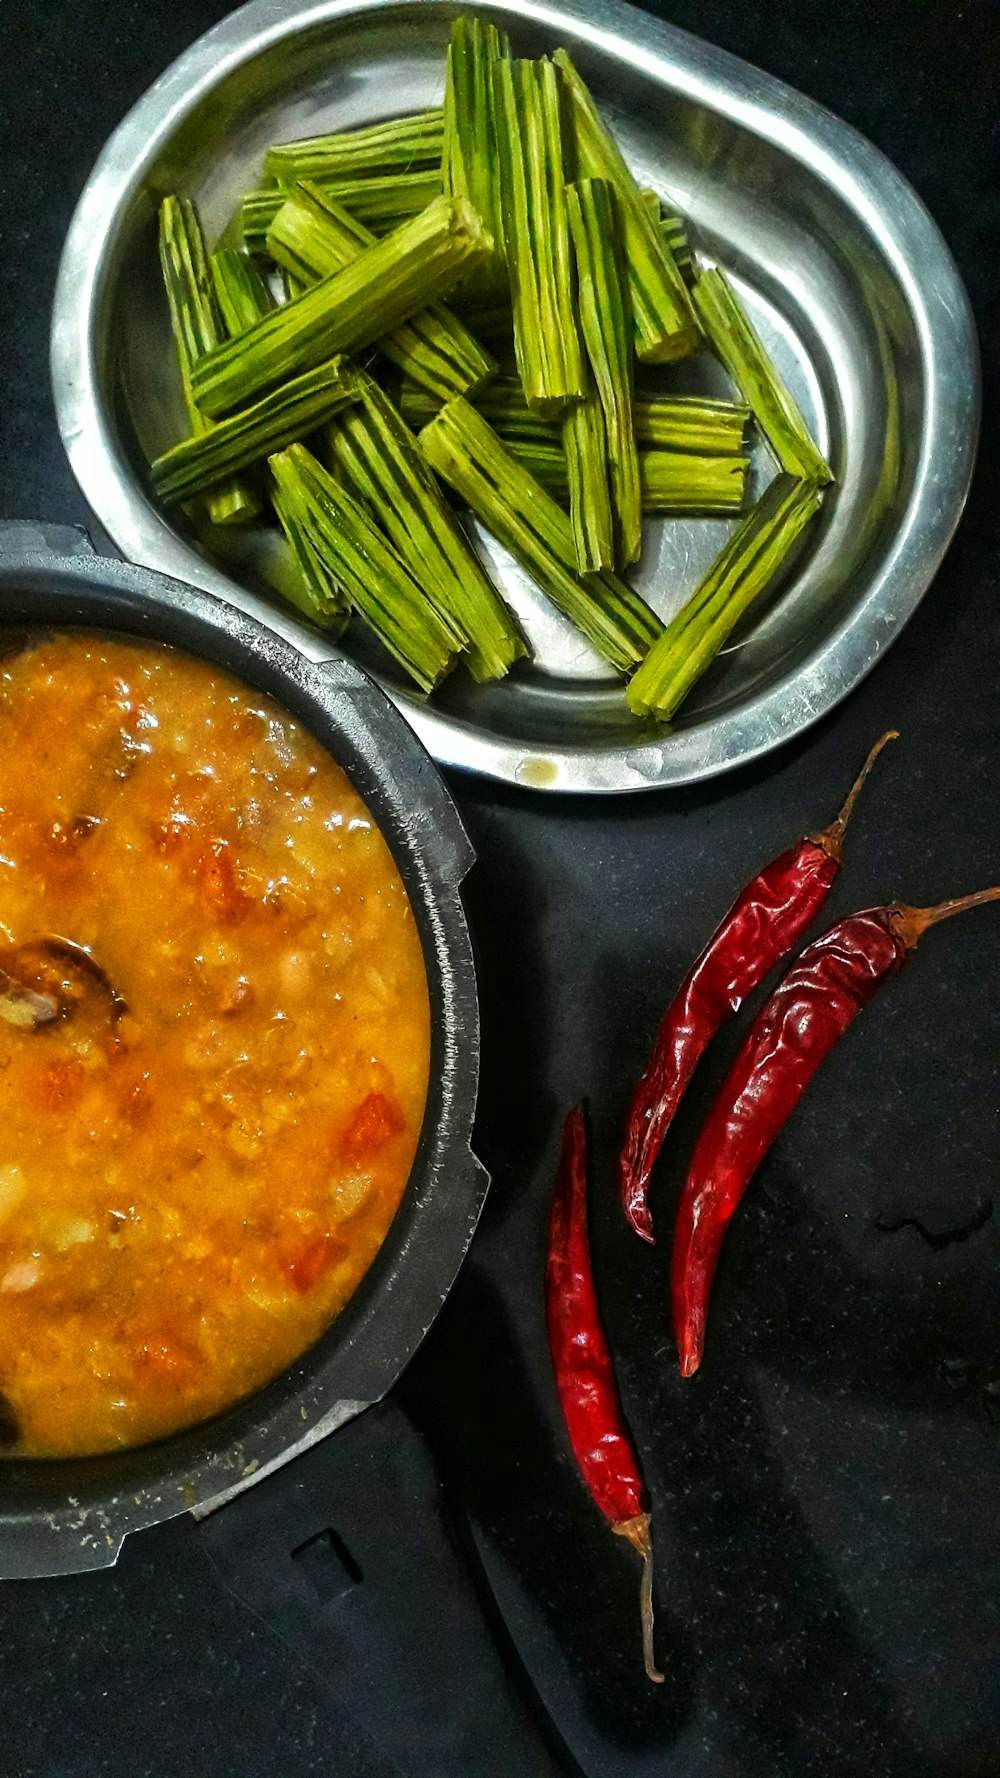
<point x="910" y="924"/>
<point x="637" y="1532"/>
<point x="831" y="839"/>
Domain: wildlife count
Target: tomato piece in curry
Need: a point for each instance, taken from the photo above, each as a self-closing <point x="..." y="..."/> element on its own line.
<point x="209" y="1113"/>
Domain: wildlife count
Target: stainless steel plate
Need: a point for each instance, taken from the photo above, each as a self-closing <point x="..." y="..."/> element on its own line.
<point x="843" y="270"/>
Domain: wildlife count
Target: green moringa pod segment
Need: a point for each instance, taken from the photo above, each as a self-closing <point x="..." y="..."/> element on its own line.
<point x="313" y="237"/>
<point x="240" y="291"/>
<point x="288" y="413"/>
<point x="466" y="452"/>
<point x="364" y="565"/>
<point x="586" y="481"/>
<point x="379" y="204"/>
<point x="606" y="325"/>
<point x="403" y="145"/>
<point x="735" y="341"/>
<point x="664" y="321"/>
<point x="536" y="233"/>
<point x="313" y="589"/>
<point x="663" y="422"/>
<point x="380" y="460"/>
<point x="750" y="559"/>
<point x="469" y="153"/>
<point x="386" y="284"/>
<point x="669" y="481"/>
<point x="197" y="329"/>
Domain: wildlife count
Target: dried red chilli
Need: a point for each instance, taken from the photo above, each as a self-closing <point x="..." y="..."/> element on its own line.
<point x="584" y="1378"/>
<point x="763" y="925"/>
<point x="823" y="992"/>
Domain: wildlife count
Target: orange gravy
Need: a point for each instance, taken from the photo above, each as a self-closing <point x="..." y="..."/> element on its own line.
<point x="201" y="1153"/>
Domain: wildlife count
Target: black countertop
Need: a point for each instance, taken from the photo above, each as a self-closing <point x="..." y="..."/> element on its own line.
<point x="826" y="1492"/>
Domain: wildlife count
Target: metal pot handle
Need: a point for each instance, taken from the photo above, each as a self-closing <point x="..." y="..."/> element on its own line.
<point x="349" y="1557"/>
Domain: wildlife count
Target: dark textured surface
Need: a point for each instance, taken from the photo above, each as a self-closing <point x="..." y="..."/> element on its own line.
<point x="826" y="1490"/>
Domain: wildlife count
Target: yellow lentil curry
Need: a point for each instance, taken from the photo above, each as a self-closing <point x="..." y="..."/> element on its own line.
<point x="213" y="1043"/>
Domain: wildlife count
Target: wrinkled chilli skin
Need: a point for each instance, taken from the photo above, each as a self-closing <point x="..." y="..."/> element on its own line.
<point x="823" y="992"/>
<point x="580" y="1356"/>
<point x="584" y="1378"/>
<point x="764" y="924"/>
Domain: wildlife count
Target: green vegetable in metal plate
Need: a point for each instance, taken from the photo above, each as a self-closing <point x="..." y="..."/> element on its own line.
<point x="516" y="200"/>
<point x="288" y="413"/>
<point x="664" y="321"/>
<point x="692" y="424"/>
<point x="586" y="481"/>
<point x="403" y="145"/>
<point x="667" y="423"/>
<point x="469" y="152"/>
<point x="536" y="233"/>
<point x="606" y="325"/>
<point x="670" y="481"/>
<point x="380" y="460"/>
<point x="467" y="453"/>
<point x="386" y="284"/>
<point x="502" y="403"/>
<point x="313" y="237"/>
<point x="197" y="329"/>
<point x="186" y="277"/>
<point x="674" y="481"/>
<point x="381" y="204"/>
<point x="357" y="556"/>
<point x="255" y="215"/>
<point x="312" y="588"/>
<point x="676" y="236"/>
<point x="748" y="562"/>
<point x="736" y="342"/>
<point x="240" y="291"/>
<point x="674" y="232"/>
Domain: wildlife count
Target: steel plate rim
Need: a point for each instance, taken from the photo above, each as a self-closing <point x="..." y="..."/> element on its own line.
<point x="803" y="128"/>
